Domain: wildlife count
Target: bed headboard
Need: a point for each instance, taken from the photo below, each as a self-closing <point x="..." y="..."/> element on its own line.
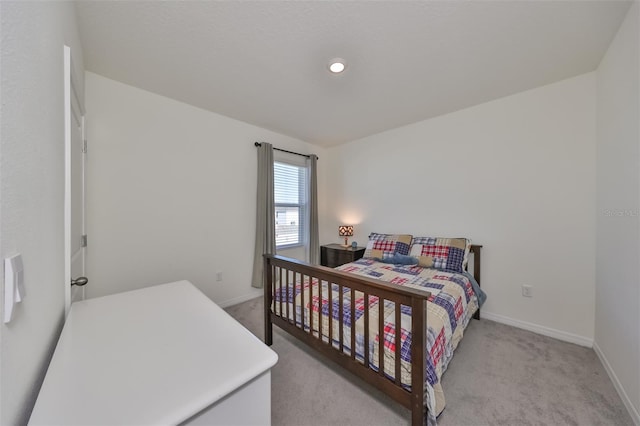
<point x="475" y="249"/>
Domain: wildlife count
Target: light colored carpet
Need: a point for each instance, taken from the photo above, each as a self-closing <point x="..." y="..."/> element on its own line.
<point x="500" y="375"/>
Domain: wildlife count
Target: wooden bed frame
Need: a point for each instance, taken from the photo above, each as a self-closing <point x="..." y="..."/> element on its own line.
<point x="285" y="270"/>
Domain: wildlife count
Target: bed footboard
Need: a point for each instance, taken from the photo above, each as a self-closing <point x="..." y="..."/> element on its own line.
<point x="280" y="275"/>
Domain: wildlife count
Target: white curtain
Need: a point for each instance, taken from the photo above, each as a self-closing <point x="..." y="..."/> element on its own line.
<point x="314" y="241"/>
<point x="265" y="221"/>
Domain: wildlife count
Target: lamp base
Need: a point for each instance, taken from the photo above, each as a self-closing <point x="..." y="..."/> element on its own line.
<point x="346" y="242"/>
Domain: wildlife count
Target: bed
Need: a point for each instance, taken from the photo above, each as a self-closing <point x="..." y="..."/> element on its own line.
<point x="421" y="283"/>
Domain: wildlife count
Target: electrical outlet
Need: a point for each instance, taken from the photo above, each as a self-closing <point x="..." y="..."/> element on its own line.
<point x="527" y="291"/>
<point x="218" y="276"/>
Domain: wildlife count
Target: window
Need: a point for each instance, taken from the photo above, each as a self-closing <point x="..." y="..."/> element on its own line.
<point x="290" y="196"/>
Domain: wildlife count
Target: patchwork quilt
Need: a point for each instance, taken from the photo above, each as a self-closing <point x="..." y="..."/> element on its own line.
<point x="449" y="309"/>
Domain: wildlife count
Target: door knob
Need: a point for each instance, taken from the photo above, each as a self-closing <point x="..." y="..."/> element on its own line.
<point x="80" y="281"/>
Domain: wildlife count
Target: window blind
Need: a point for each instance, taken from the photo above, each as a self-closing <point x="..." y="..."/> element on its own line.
<point x="290" y="196"/>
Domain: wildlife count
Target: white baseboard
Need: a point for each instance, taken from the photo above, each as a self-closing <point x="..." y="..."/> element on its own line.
<point x="240" y="299"/>
<point x="540" y="329"/>
<point x="633" y="412"/>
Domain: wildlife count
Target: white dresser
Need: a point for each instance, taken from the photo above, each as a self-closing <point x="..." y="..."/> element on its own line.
<point x="161" y="355"/>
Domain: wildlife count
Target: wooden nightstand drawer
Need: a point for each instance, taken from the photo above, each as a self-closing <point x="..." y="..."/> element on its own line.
<point x="333" y="255"/>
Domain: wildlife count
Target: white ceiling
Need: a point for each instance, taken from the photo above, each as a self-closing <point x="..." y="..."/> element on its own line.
<point x="264" y="62"/>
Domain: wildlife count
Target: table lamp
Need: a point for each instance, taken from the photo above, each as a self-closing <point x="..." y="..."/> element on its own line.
<point x="345" y="231"/>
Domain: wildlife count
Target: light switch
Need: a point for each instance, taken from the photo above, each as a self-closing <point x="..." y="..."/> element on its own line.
<point x="14" y="290"/>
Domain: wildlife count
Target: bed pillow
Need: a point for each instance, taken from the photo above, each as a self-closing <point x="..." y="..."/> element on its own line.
<point x="399" y="259"/>
<point x="448" y="254"/>
<point x="382" y="246"/>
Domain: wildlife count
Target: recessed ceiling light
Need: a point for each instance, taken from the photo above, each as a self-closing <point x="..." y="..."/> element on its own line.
<point x="337" y="65"/>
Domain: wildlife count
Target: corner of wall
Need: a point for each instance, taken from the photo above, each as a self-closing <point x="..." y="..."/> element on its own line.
<point x="32" y="166"/>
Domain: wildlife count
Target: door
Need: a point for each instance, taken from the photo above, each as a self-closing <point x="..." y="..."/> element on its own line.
<point x="74" y="203"/>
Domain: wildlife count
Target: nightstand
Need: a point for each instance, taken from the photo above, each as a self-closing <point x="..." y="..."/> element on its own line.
<point x="333" y="255"/>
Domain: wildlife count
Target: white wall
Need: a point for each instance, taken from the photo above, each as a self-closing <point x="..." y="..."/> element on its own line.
<point x="516" y="175"/>
<point x="32" y="191"/>
<point x="172" y="192"/>
<point x="617" y="311"/>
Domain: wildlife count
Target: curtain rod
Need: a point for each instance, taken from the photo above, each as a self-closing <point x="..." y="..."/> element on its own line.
<point x="288" y="152"/>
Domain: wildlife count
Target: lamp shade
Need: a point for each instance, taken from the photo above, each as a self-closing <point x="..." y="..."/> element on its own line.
<point x="345" y="231"/>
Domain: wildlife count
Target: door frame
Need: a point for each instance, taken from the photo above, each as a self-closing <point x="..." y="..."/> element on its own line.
<point x="73" y="106"/>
